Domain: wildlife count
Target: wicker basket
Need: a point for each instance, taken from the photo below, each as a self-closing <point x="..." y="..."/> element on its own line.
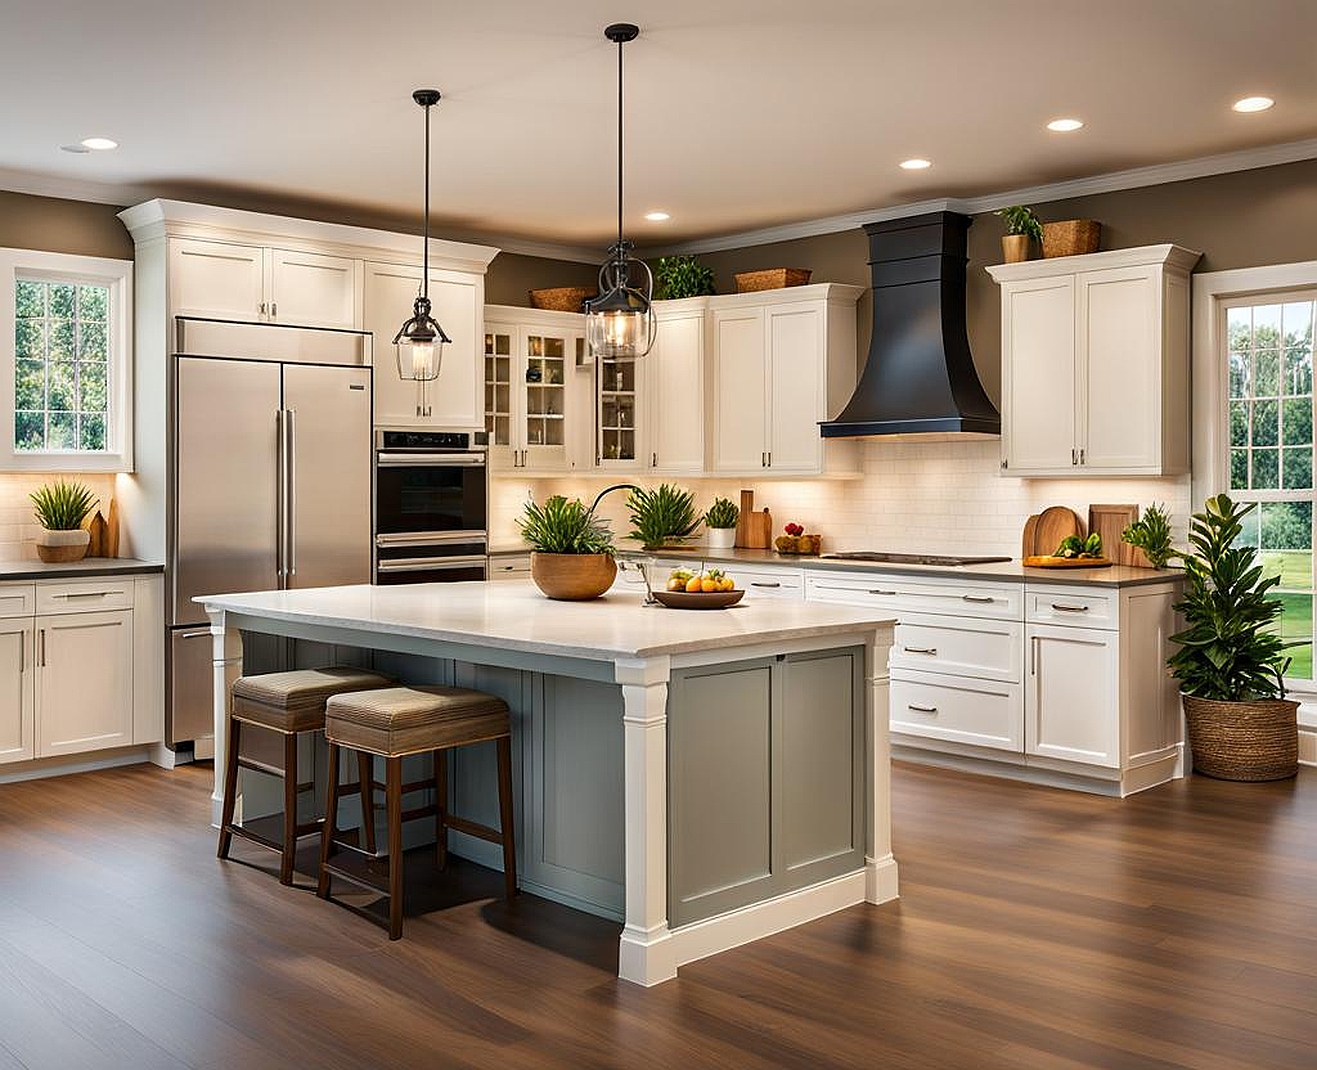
<point x="562" y="298"/>
<point x="772" y="279"/>
<point x="1243" y="740"/>
<point x="1071" y="237"/>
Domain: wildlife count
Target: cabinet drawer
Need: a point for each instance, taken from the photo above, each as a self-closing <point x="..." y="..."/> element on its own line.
<point x="959" y="646"/>
<point x="1077" y="606"/>
<point x="770" y="582"/>
<point x="85" y="596"/>
<point x="17" y="600"/>
<point x="509" y="567"/>
<point x="934" y="594"/>
<point x="980" y="713"/>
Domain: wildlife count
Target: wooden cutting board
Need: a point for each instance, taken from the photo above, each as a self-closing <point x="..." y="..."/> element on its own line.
<point x="1054" y="524"/>
<point x="759" y="532"/>
<point x="743" y="521"/>
<point x="1027" y="547"/>
<point x="1109" y="521"/>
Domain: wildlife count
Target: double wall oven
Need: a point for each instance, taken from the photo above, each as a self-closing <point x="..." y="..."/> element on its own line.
<point x="431" y="501"/>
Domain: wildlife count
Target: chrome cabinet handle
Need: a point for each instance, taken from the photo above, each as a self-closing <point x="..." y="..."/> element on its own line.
<point x="428" y="460"/>
<point x="426" y="538"/>
<point x="921" y="709"/>
<point x="979" y="598"/>
<point x="196" y="635"/>
<point x="1069" y="609"/>
<point x="929" y="650"/>
<point x="426" y="564"/>
<point x="85" y="594"/>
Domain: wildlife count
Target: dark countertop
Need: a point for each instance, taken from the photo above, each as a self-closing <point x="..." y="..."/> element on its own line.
<point x="78" y="570"/>
<point x="1115" y="576"/>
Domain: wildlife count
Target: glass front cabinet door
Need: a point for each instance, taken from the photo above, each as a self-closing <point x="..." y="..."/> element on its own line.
<point x="619" y="411"/>
<point x="528" y="371"/>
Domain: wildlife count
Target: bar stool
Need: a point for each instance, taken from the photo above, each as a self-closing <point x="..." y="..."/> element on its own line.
<point x="398" y="721"/>
<point x="289" y="703"/>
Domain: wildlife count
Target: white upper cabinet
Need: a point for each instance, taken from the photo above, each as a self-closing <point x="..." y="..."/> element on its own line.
<point x="314" y="290"/>
<point x="454" y="399"/>
<point x="674" y="386"/>
<point x="1095" y="363"/>
<point x="781" y="362"/>
<point x="216" y="279"/>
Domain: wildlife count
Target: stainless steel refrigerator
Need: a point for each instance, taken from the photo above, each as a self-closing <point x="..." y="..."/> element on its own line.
<point x="270" y="481"/>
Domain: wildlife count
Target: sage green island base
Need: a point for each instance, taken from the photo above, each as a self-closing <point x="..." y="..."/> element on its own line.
<point x="705" y="778"/>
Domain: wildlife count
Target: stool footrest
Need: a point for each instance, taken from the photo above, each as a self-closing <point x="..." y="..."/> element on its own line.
<point x="472" y="828"/>
<point x="256" y="838"/>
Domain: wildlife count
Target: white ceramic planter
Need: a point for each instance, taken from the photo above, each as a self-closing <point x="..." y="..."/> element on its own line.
<point x="720" y="538"/>
<point x="60" y="546"/>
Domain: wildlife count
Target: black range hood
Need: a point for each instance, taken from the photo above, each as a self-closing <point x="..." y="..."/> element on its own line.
<point x="919" y="376"/>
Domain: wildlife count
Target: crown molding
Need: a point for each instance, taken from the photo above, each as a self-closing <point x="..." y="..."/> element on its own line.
<point x="1134" y="178"/>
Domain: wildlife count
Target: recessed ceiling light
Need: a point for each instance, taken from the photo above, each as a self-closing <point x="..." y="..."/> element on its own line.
<point x="1064" y="126"/>
<point x="657" y="217"/>
<point x="81" y="150"/>
<point x="99" y="144"/>
<point x="1253" y="104"/>
<point x="916" y="164"/>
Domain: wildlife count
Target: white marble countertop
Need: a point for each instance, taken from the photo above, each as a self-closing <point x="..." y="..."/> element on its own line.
<point x="79" y="570"/>
<point x="514" y="615"/>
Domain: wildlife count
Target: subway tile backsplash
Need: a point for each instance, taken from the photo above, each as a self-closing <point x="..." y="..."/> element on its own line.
<point x="18" y="527"/>
<point x="935" y="496"/>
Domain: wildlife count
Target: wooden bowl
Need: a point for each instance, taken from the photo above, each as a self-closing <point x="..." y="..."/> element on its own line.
<point x="702" y="600"/>
<point x="573" y="577"/>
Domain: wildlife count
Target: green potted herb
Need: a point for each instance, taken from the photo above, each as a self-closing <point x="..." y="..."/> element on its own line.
<point x="720" y="524"/>
<point x="571" y="549"/>
<point x="1231" y="663"/>
<point x="681" y="276"/>
<point x="60" y="510"/>
<point x="662" y="515"/>
<point x="1151" y="533"/>
<point x="1023" y="233"/>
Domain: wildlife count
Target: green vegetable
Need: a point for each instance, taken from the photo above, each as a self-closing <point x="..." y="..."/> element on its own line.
<point x="681" y="276"/>
<point x="1072" y="546"/>
<point x="666" y="512"/>
<point x="1152" y="534"/>
<point x="722" y="514"/>
<point x="1021" y="220"/>
<point x="62" y="506"/>
<point x="1229" y="649"/>
<point x="564" y="526"/>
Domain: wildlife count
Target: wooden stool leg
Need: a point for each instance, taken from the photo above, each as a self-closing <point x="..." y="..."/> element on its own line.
<point x="330" y="828"/>
<point x="441" y="807"/>
<point x="393" y="797"/>
<point x="290" y="809"/>
<point x="506" y="822"/>
<point x="230" y="788"/>
<point x="366" y="776"/>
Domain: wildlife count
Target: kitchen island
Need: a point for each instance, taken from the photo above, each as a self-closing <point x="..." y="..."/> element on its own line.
<point x="707" y="778"/>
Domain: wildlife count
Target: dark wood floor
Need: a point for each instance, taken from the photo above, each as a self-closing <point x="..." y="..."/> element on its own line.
<point x="1036" y="928"/>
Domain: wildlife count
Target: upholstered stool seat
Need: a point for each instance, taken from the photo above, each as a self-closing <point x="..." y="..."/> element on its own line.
<point x="393" y="723"/>
<point x="289" y="703"/>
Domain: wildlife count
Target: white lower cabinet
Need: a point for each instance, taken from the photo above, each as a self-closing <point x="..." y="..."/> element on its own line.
<point x="960" y="709"/>
<point x="788" y="583"/>
<point x="17" y="698"/>
<point x="84" y="687"/>
<point x="1071" y="697"/>
<point x="81" y="666"/>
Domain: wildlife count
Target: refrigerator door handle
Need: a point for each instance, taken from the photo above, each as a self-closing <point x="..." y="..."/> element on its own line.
<point x="290" y="495"/>
<point x="281" y="508"/>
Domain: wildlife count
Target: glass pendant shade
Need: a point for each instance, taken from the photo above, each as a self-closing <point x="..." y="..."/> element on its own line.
<point x="620" y="322"/>
<point x="419" y="346"/>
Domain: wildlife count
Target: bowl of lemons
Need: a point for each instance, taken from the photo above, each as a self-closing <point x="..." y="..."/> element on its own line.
<point x="713" y="589"/>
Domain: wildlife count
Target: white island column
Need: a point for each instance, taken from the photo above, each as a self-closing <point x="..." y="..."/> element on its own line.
<point x="646" y="955"/>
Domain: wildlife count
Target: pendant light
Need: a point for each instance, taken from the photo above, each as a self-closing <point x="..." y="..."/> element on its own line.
<point x="419" y="344"/>
<point x="619" y="320"/>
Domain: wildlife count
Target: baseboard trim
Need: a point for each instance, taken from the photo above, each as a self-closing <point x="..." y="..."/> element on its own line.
<point x="1109" y="782"/>
<point x="65" y="765"/>
<point x="1307" y="746"/>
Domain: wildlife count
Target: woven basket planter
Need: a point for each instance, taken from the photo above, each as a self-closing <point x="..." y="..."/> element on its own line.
<point x="1243" y="740"/>
<point x="561" y="298"/>
<point x="1071" y="237"/>
<point x="772" y="279"/>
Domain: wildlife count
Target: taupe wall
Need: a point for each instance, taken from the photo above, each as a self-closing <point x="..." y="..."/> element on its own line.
<point x="1265" y="216"/>
<point x="63" y="226"/>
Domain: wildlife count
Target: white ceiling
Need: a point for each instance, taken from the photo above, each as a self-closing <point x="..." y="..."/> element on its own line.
<point x="741" y="113"/>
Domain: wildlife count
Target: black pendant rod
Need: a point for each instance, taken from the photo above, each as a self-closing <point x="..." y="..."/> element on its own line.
<point x="427" y="99"/>
<point x="619" y="141"/>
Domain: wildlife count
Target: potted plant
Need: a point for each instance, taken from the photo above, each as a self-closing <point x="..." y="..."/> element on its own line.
<point x="663" y="515"/>
<point x="60" y="509"/>
<point x="681" y="276"/>
<point x="720" y="524"/>
<point x="1023" y="232"/>
<point x="1151" y="533"/>
<point x="1231" y="663"/>
<point x="571" y="549"/>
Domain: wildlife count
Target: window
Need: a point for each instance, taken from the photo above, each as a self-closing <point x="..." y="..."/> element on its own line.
<point x="66" y="367"/>
<point x="1268" y="352"/>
